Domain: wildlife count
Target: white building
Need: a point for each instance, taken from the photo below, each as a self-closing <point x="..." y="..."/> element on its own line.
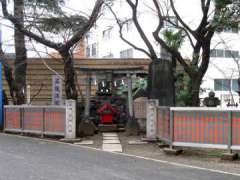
<point x="104" y="41"/>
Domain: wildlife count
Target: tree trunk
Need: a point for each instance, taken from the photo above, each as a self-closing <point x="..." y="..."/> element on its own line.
<point x="20" y="64"/>
<point x="161" y="82"/>
<point x="69" y="72"/>
<point x="194" y="89"/>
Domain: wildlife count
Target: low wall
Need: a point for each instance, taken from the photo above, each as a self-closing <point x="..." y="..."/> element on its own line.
<point x="206" y="127"/>
<point x="195" y="127"/>
<point x="44" y="120"/>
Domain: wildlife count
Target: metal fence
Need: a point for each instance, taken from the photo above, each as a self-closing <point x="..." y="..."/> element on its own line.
<point x="199" y="127"/>
<point x="44" y="120"/>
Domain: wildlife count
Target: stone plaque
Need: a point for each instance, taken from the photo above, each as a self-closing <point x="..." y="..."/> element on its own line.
<point x="56" y="90"/>
<point x="152" y="119"/>
<point x="70" y="125"/>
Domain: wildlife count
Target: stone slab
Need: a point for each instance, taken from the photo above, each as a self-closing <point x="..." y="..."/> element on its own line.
<point x="137" y="142"/>
<point x="110" y="138"/>
<point x="171" y="151"/>
<point x="85" y="142"/>
<point x="67" y="140"/>
<point x="108" y="128"/>
<point x="149" y="139"/>
<point x="162" y="145"/>
<point x="229" y="156"/>
<point x="110" y="135"/>
<point x="112" y="141"/>
<point x="112" y="147"/>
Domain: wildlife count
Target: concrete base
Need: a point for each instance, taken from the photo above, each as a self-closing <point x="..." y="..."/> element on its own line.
<point x="116" y="141"/>
<point x="71" y="140"/>
<point x="110" y="134"/>
<point x="137" y="142"/>
<point x="171" y="151"/>
<point x="112" y="147"/>
<point x="229" y="156"/>
<point x="163" y="145"/>
<point x="107" y="127"/>
<point x="149" y="140"/>
<point x="110" y="138"/>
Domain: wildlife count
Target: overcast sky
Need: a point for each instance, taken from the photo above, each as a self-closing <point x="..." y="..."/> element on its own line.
<point x="71" y="6"/>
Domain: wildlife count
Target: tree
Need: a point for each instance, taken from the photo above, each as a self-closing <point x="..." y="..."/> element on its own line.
<point x="64" y="48"/>
<point x="159" y="87"/>
<point x="16" y="77"/>
<point x="216" y="15"/>
<point x="17" y="81"/>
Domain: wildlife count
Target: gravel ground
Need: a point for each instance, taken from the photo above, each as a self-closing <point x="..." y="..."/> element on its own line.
<point x="209" y="158"/>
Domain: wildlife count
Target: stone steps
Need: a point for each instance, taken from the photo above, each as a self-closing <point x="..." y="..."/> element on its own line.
<point x="111" y="142"/>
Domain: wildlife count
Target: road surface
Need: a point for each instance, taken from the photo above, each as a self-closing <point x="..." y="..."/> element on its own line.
<point x="33" y="159"/>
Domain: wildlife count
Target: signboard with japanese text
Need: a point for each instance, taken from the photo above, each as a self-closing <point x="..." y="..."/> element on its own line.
<point x="152" y="119"/>
<point x="56" y="90"/>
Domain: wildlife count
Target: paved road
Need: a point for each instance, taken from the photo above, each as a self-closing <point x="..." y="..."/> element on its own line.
<point x="32" y="159"/>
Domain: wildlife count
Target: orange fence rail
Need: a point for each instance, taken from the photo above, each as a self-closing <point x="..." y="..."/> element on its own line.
<point x="199" y="127"/>
<point x="44" y="120"/>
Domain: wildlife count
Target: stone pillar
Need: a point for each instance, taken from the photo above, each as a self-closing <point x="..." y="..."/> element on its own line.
<point x="152" y="119"/>
<point x="28" y="94"/>
<point x="130" y="95"/>
<point x="70" y="124"/>
<point x="87" y="97"/>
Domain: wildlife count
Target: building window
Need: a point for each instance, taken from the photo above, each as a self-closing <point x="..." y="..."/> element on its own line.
<point x="128" y="25"/>
<point x="128" y="53"/>
<point x="222" y="84"/>
<point x="235" y="85"/>
<point x="219" y="53"/>
<point x="107" y="33"/>
<point x="213" y="53"/>
<point x="231" y="54"/>
<point x="225" y="85"/>
<point x="232" y="29"/>
<point x="224" y="53"/>
<point x="88" y="51"/>
<point x="94" y="49"/>
<point x="91" y="50"/>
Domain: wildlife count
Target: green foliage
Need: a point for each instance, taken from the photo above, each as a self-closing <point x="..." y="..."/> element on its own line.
<point x="51" y="5"/>
<point x="222" y="3"/>
<point x="62" y="23"/>
<point x="174" y="39"/>
<point x="227" y="14"/>
<point x="48" y="16"/>
<point x="183" y="97"/>
<point x="138" y="85"/>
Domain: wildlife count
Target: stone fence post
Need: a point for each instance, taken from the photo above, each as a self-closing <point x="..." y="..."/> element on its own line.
<point x="70" y="124"/>
<point x="152" y="119"/>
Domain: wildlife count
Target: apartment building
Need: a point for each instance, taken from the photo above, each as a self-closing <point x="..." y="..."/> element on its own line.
<point x="104" y="42"/>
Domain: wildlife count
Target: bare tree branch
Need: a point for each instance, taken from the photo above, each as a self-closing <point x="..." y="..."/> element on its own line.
<point x="120" y="25"/>
<point x="180" y="19"/>
<point x="140" y="30"/>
